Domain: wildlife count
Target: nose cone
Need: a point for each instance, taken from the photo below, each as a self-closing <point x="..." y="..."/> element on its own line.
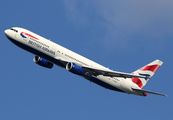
<point x="7" y="32"/>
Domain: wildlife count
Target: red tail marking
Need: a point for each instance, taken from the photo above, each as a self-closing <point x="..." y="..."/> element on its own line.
<point x="137" y="81"/>
<point x="152" y="68"/>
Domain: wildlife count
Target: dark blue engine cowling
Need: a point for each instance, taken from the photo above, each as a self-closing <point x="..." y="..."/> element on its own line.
<point x="74" y="68"/>
<point x="42" y="62"/>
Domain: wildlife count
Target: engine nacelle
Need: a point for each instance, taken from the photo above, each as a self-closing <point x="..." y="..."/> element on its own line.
<point x="74" y="68"/>
<point x="42" y="62"/>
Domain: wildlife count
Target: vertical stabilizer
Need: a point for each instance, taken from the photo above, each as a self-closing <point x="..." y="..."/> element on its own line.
<point x="148" y="71"/>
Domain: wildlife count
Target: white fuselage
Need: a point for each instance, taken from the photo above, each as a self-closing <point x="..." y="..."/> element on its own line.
<point x="54" y="53"/>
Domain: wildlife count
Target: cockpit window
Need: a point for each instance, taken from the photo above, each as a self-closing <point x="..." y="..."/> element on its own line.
<point x="14" y="30"/>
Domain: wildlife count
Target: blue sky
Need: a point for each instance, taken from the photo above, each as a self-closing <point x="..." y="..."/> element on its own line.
<point x="122" y="35"/>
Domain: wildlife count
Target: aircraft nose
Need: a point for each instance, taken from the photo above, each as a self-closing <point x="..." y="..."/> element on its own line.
<point x="7" y="32"/>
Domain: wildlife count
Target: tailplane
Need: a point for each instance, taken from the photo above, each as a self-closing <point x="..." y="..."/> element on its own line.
<point x="148" y="71"/>
<point x="144" y="92"/>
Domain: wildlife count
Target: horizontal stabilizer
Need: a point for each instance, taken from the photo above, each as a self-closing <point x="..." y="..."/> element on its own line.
<point x="145" y="91"/>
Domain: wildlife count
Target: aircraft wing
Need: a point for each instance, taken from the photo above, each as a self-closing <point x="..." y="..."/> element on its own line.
<point x="111" y="73"/>
<point x="145" y="91"/>
<point x="97" y="71"/>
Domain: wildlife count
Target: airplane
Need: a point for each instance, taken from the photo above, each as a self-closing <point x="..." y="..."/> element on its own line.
<point x="48" y="53"/>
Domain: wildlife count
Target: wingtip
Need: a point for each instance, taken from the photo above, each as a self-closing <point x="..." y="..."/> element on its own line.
<point x="166" y="95"/>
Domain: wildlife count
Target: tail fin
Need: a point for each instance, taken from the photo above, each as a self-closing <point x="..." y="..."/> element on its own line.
<point x="148" y="71"/>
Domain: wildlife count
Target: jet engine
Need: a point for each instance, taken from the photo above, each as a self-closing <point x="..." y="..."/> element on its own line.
<point x="42" y="62"/>
<point x="74" y="68"/>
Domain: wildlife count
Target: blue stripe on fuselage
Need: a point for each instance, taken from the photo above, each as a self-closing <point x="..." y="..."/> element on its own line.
<point x="21" y="35"/>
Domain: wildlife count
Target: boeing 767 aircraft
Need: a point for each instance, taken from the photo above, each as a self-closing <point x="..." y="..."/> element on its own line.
<point x="48" y="53"/>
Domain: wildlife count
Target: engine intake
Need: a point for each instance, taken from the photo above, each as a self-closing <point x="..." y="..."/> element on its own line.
<point x="74" y="68"/>
<point x="42" y="62"/>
